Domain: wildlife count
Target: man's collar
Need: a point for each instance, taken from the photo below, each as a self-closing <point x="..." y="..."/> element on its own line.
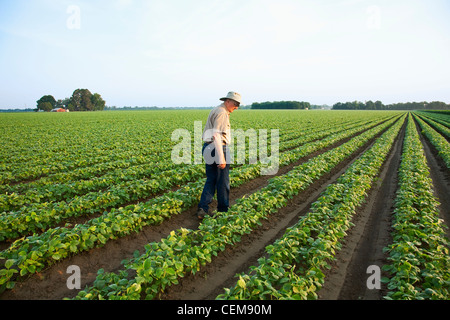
<point x="223" y="106"/>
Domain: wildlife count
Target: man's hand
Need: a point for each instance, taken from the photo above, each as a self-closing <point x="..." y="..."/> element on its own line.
<point x="222" y="166"/>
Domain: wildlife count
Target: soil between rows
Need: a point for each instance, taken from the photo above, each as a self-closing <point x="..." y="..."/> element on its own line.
<point x="363" y="246"/>
<point x="50" y="284"/>
<point x="364" y="243"/>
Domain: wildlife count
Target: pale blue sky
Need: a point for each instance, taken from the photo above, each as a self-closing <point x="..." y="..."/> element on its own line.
<point x="172" y="53"/>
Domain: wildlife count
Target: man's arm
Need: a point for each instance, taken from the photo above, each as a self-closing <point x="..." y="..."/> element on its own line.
<point x="218" y="144"/>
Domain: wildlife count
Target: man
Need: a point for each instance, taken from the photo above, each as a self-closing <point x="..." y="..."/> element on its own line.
<point x="216" y="137"/>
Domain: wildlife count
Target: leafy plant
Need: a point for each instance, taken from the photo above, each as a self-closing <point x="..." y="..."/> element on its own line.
<point x="198" y="246"/>
<point x="419" y="255"/>
<point x="295" y="263"/>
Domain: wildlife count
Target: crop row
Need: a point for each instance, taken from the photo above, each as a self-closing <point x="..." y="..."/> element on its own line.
<point x="72" y="161"/>
<point x="419" y="255"/>
<point x="45" y="147"/>
<point x="294" y="264"/>
<point x="443" y="119"/>
<point x="63" y="186"/>
<point x="185" y="251"/>
<point x="438" y="141"/>
<point x="32" y="254"/>
<point x="42" y="145"/>
<point x="22" y="158"/>
<point x="39" y="216"/>
<point x="442" y="129"/>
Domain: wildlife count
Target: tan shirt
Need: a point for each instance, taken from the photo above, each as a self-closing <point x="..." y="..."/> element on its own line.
<point x="218" y="121"/>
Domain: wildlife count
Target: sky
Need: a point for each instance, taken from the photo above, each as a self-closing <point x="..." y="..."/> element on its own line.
<point x="179" y="53"/>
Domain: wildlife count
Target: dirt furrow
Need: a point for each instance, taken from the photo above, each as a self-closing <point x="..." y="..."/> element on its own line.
<point x="363" y="246"/>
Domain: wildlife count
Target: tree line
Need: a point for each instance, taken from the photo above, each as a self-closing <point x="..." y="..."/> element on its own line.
<point x="81" y="100"/>
<point x="378" y="105"/>
<point x="281" y="105"/>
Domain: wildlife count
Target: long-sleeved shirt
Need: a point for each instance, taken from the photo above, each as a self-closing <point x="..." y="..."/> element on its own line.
<point x="218" y="122"/>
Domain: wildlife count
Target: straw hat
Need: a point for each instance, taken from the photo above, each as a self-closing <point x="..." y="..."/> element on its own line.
<point x="233" y="96"/>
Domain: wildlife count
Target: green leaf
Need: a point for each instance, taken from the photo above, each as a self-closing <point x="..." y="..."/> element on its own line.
<point x="179" y="265"/>
<point x="56" y="256"/>
<point x="147" y="264"/>
<point x="31" y="269"/>
<point x="171" y="271"/>
<point x="385" y="280"/>
<point x="9" y="263"/>
<point x="159" y="272"/>
<point x="241" y="283"/>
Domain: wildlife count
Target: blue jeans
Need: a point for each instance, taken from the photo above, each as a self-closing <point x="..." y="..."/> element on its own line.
<point x="216" y="180"/>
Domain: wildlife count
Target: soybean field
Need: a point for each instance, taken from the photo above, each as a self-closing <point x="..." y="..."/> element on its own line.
<point x="357" y="208"/>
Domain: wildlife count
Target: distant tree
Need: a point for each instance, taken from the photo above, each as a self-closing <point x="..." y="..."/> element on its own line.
<point x="338" y="106"/>
<point x="379" y="105"/>
<point x="370" y="105"/>
<point x="46" y="106"/>
<point x="81" y="100"/>
<point x="358" y="105"/>
<point x="97" y="102"/>
<point x="436" y="105"/>
<point x="84" y="100"/>
<point x="63" y="103"/>
<point x="46" y="103"/>
<point x="59" y="103"/>
<point x="281" y="105"/>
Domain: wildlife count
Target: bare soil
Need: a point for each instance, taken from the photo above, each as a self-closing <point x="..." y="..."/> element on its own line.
<point x="364" y="243"/>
